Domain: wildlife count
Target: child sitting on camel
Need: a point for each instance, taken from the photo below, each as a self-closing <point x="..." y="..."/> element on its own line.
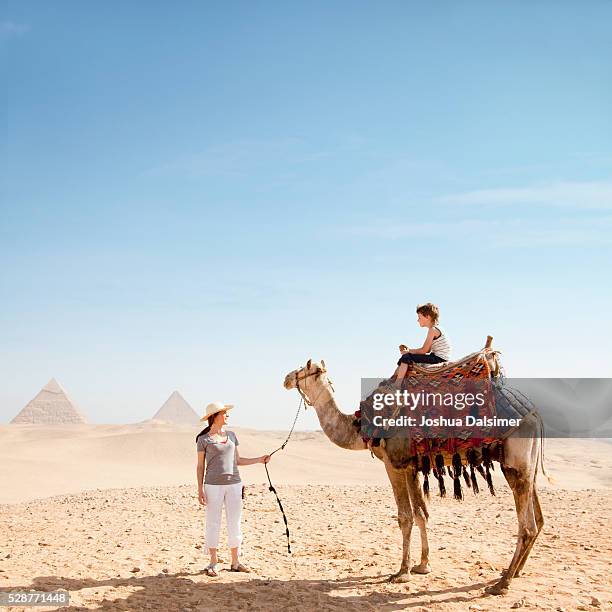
<point x="435" y="349"/>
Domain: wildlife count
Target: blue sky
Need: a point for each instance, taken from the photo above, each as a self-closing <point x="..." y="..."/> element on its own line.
<point x="200" y="197"/>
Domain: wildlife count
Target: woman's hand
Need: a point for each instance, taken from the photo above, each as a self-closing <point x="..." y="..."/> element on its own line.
<point x="265" y="458"/>
<point x="202" y="497"/>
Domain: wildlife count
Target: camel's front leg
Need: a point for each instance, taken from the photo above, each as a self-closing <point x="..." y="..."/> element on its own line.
<point x="404" y="519"/>
<point x="421" y="514"/>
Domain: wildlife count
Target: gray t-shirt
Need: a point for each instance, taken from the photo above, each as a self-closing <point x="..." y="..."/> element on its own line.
<point x="221" y="463"/>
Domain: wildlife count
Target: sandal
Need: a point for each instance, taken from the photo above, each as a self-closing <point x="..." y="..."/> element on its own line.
<point x="239" y="568"/>
<point x="211" y="570"/>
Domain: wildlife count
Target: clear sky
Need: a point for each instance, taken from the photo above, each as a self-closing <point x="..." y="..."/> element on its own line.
<point x="200" y="196"/>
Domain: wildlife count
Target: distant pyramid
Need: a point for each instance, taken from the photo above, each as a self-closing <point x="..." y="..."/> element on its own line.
<point x="177" y="410"/>
<point x="51" y="406"/>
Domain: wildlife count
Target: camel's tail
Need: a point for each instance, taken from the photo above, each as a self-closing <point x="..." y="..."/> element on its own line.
<point x="550" y="479"/>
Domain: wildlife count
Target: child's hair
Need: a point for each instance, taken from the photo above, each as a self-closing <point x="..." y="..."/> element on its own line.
<point x="429" y="310"/>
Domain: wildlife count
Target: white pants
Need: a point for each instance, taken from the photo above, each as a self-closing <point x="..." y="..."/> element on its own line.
<point x="216" y="497"/>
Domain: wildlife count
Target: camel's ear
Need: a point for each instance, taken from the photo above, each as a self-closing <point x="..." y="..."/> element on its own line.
<point x="308" y="364"/>
<point x="323" y="363"/>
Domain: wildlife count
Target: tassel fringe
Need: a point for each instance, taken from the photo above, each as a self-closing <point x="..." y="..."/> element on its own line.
<point x="474" y="481"/>
<point x="490" y="481"/>
<point x="426" y="469"/>
<point x="488" y="464"/>
<point x="477" y="460"/>
<point x="472" y="459"/>
<point x="457" y="469"/>
<point x="466" y="477"/>
<point x="440" y="471"/>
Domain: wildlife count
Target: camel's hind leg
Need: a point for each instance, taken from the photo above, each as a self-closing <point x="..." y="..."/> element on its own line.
<point x="421" y="514"/>
<point x="539" y="519"/>
<point x="399" y="483"/>
<point x="522" y="486"/>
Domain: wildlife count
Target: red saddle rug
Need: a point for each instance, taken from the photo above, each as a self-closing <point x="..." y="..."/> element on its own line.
<point x="443" y="435"/>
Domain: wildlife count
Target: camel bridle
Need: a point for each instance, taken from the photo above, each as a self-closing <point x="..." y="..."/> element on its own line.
<point x="317" y="372"/>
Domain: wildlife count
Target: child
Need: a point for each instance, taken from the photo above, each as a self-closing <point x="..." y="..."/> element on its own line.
<point x="435" y="349"/>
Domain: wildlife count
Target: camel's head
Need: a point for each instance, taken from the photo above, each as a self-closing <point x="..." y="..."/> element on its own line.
<point x="305" y="376"/>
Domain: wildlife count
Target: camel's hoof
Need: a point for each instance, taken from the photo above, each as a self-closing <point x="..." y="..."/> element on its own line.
<point x="421" y="568"/>
<point x="401" y="576"/>
<point x="499" y="588"/>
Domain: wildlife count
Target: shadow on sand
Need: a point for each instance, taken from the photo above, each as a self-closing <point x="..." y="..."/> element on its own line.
<point x="179" y="592"/>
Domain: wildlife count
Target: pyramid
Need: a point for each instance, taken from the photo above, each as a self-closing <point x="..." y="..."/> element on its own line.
<point x="51" y="406"/>
<point x="177" y="410"/>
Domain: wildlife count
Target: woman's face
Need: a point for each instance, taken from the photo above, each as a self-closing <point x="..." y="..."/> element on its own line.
<point x="221" y="418"/>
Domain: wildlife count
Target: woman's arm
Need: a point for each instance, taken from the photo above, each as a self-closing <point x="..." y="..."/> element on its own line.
<point x="426" y="345"/>
<point x="200" y="477"/>
<point x="251" y="460"/>
<point x="200" y="468"/>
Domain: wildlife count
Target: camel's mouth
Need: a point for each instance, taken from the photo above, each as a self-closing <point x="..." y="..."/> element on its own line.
<point x="290" y="380"/>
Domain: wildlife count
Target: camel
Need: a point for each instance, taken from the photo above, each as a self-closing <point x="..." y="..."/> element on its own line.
<point x="522" y="451"/>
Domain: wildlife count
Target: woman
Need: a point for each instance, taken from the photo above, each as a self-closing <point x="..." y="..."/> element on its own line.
<point x="222" y="484"/>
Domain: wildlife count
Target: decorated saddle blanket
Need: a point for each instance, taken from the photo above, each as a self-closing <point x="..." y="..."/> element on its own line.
<point x="446" y="407"/>
<point x="444" y="414"/>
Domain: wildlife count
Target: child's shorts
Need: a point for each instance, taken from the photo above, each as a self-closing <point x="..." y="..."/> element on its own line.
<point x="427" y="358"/>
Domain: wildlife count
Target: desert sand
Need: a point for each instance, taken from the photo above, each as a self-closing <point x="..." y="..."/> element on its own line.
<point x="110" y="513"/>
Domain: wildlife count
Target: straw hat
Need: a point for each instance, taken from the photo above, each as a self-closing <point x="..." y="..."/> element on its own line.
<point x="214" y="408"/>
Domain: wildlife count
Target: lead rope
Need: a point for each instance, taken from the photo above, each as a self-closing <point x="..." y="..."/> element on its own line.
<point x="271" y="487"/>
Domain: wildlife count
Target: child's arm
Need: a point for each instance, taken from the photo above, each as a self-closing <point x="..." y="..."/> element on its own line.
<point x="426" y="345"/>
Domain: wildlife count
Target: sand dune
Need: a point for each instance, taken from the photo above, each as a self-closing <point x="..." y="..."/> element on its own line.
<point x="43" y="460"/>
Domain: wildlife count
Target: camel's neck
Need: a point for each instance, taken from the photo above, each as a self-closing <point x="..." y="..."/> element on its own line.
<point x="336" y="425"/>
